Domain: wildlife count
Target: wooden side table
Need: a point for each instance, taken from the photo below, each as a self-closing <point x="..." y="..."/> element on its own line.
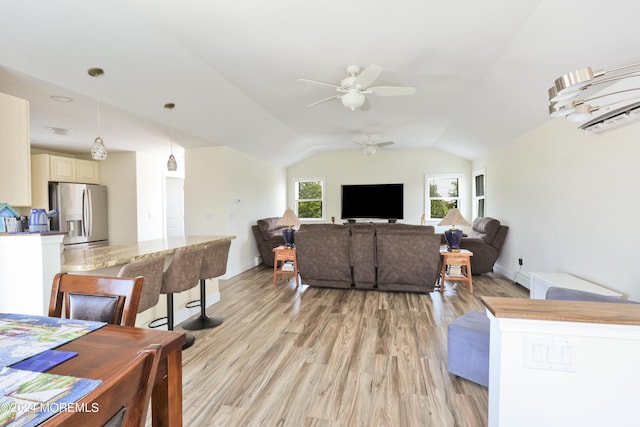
<point x="282" y="254"/>
<point x="462" y="259"/>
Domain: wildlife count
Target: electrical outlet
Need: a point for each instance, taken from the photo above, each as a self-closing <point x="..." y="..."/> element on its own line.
<point x="520" y="262"/>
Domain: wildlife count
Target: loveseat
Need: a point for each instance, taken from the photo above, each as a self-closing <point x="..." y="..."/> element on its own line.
<point x="386" y="257"/>
<point x="268" y="236"/>
<point x="485" y="240"/>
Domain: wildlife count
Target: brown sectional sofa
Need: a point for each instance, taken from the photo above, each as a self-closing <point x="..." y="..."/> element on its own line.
<point x="386" y="257"/>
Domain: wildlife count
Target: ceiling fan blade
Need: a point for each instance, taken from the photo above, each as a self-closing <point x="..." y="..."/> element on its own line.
<point x="365" y="105"/>
<point x="319" y="83"/>
<point x="367" y="76"/>
<point x="384" y="144"/>
<point x="324" y="100"/>
<point x="392" y="90"/>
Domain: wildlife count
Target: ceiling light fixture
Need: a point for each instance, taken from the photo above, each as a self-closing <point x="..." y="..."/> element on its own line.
<point x="60" y="131"/>
<point x="98" y="150"/>
<point x="172" y="165"/>
<point x="564" y="95"/>
<point x="61" y="98"/>
<point x="352" y="99"/>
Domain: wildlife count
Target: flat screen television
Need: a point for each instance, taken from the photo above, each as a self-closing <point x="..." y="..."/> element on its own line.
<point x="373" y="201"/>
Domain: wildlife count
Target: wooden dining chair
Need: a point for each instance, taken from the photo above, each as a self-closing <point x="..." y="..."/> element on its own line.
<point x="96" y="298"/>
<point x="121" y="400"/>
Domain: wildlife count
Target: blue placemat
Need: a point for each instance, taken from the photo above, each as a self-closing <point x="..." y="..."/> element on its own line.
<point x="44" y="361"/>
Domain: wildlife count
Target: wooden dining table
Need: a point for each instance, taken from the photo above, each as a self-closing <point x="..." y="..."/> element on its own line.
<point x="105" y="351"/>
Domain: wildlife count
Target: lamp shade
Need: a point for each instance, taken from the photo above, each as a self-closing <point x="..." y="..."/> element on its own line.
<point x="453" y="218"/>
<point x="289" y="219"/>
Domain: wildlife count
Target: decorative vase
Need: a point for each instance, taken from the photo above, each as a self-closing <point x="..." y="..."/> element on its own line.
<point x="287" y="233"/>
<point x="453" y="237"/>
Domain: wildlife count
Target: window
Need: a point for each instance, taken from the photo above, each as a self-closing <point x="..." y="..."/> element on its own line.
<point x="309" y="198"/>
<point x="478" y="194"/>
<point x="443" y="193"/>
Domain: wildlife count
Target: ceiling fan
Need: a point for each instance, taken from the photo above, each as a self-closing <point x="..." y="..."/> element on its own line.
<point x="352" y="89"/>
<point x="369" y="147"/>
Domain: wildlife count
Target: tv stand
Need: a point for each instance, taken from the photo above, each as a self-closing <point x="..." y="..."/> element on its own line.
<point x="392" y="221"/>
<point x="351" y="221"/>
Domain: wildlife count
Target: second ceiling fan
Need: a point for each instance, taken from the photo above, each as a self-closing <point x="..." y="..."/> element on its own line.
<point x="369" y="147"/>
<point x="352" y="89"/>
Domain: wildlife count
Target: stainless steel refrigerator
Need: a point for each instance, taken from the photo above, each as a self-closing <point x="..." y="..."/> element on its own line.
<point x="82" y="213"/>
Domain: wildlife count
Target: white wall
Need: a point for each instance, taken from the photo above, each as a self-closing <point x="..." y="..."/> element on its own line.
<point x="150" y="182"/>
<point x="118" y="173"/>
<point x="135" y="184"/>
<point x="226" y="191"/>
<point x="568" y="198"/>
<point x="407" y="166"/>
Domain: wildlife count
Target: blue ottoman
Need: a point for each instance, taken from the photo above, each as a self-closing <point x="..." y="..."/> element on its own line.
<point x="468" y="347"/>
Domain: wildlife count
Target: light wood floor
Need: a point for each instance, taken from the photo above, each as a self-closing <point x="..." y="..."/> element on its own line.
<point x="332" y="357"/>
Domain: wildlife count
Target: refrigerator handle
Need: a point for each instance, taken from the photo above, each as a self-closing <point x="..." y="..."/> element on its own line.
<point x="89" y="207"/>
<point x="84" y="212"/>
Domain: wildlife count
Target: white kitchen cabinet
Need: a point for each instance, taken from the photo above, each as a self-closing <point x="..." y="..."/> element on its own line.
<point x="15" y="169"/>
<point x="67" y="169"/>
<point x="62" y="169"/>
<point x="47" y="167"/>
<point x="87" y="171"/>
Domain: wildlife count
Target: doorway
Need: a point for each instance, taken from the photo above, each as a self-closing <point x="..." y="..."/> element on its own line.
<point x="174" y="206"/>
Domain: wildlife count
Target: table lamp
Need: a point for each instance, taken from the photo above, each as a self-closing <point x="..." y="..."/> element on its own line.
<point x="288" y="220"/>
<point x="453" y="235"/>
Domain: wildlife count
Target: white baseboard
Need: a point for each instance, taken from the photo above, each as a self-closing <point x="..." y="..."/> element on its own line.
<point x="517" y="276"/>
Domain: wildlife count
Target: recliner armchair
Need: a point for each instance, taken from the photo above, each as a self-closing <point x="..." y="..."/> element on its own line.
<point x="268" y="235"/>
<point x="485" y="240"/>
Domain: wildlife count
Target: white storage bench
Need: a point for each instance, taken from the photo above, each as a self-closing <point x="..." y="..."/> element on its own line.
<point x="541" y="282"/>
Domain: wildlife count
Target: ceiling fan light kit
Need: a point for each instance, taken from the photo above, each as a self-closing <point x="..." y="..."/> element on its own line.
<point x="352" y="100"/>
<point x="575" y="96"/>
<point x="352" y="89"/>
<point x="369" y="147"/>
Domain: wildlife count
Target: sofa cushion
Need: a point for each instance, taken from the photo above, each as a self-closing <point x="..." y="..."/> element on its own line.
<point x="268" y="224"/>
<point x="404" y="228"/>
<point x="468" y="347"/>
<point x="484" y="228"/>
<point x="363" y="255"/>
<point x="564" y="294"/>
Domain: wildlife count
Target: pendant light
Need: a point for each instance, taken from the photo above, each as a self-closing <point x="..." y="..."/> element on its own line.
<point x="172" y="165"/>
<point x="98" y="151"/>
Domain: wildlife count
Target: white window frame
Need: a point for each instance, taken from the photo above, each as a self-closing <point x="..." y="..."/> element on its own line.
<point x="476" y="199"/>
<point x="323" y="184"/>
<point x="427" y="197"/>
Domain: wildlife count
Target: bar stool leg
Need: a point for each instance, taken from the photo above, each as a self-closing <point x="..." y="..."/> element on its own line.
<point x="190" y="338"/>
<point x="202" y="321"/>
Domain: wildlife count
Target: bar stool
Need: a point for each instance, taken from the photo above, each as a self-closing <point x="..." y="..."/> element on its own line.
<point x="214" y="264"/>
<point x="182" y="274"/>
<point x="151" y="269"/>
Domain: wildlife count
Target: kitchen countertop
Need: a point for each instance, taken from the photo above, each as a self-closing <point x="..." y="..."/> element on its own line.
<point x="108" y="256"/>
<point x="28" y="233"/>
<point x="563" y="311"/>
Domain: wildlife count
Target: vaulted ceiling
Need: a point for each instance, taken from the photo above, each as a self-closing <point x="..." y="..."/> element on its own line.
<point x="481" y="69"/>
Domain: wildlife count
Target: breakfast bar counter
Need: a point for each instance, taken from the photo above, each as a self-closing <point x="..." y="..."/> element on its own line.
<point x="101" y="257"/>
